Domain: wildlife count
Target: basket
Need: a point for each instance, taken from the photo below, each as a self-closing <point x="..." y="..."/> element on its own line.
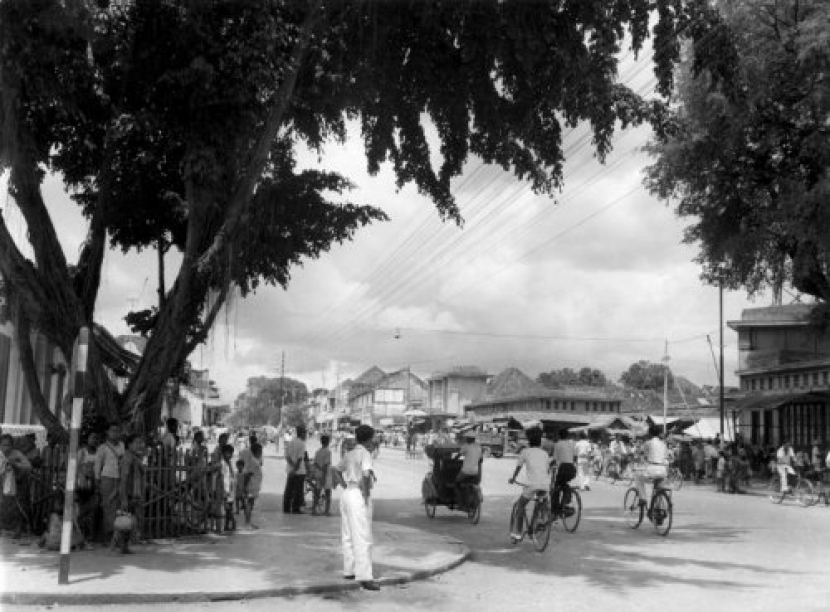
<point x="124" y="521"/>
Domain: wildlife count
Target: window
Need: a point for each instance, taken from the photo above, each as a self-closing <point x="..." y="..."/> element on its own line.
<point x="771" y="382"/>
<point x="754" y="384"/>
<point x="815" y="378"/>
<point x="824" y="378"/>
<point x="786" y="381"/>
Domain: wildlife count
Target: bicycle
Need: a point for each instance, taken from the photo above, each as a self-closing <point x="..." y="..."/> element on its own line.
<point x="660" y="510"/>
<point x="471" y="500"/>
<point x="801" y="489"/>
<point x="820" y="489"/>
<point x="540" y="523"/>
<point x="571" y="512"/>
<point x="675" y="478"/>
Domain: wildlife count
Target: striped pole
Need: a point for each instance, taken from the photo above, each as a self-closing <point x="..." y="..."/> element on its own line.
<point x="80" y="354"/>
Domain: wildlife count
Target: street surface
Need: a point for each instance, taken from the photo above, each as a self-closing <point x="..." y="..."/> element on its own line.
<point x="725" y="552"/>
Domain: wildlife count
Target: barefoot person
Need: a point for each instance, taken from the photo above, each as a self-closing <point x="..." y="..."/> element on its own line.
<point x="356" y="510"/>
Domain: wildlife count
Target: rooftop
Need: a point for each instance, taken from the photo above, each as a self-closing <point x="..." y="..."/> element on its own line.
<point x="774" y="316"/>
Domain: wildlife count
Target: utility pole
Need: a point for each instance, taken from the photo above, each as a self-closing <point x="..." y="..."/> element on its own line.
<point x="720" y="372"/>
<point x="665" y="386"/>
<point x="282" y="381"/>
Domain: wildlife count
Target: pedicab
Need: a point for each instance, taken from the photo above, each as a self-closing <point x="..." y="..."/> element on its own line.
<point x="439" y="486"/>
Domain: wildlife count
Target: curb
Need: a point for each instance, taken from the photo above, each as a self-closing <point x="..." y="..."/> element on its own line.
<point x="323" y="588"/>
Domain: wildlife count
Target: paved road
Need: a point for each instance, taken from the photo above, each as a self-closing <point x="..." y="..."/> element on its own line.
<point x="725" y="552"/>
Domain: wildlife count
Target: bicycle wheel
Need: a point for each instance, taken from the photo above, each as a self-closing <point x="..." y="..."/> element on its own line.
<point x="805" y="493"/>
<point x="540" y="525"/>
<point x="774" y="490"/>
<point x="514" y="520"/>
<point x="675" y="479"/>
<point x="661" y="512"/>
<point x="632" y="510"/>
<point x="473" y="505"/>
<point x="572" y="512"/>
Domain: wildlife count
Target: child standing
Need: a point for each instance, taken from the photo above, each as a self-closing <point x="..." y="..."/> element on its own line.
<point x="240" y="486"/>
<point x="252" y="483"/>
<point x="322" y="459"/>
<point x="228" y="487"/>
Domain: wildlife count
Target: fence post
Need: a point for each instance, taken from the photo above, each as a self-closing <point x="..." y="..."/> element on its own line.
<point x="79" y="369"/>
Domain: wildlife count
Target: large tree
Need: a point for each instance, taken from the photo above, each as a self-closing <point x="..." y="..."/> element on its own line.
<point x="585" y="376"/>
<point x="175" y="125"/>
<point x="644" y="375"/>
<point x="749" y="163"/>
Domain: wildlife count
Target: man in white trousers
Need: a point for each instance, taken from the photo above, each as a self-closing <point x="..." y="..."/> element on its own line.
<point x="356" y="510"/>
<point x="583" y="461"/>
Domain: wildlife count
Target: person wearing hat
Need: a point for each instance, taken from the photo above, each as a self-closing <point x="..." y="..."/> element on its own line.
<point x="356" y="510"/>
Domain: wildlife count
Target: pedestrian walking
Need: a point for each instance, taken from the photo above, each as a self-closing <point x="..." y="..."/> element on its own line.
<point x="322" y="460"/>
<point x="108" y="476"/>
<point x="295" y="459"/>
<point x="252" y="479"/>
<point x="356" y="510"/>
<point x="583" y="461"/>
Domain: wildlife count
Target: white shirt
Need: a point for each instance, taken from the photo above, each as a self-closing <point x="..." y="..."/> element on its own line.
<point x="563" y="451"/>
<point x="784" y="457"/>
<point x="536" y="463"/>
<point x="472" y="456"/>
<point x="355" y="463"/>
<point x="656" y="451"/>
<point x="296" y="451"/>
<point x="617" y="447"/>
<point x="583" y="449"/>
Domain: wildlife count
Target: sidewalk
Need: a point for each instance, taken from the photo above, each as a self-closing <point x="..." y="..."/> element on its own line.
<point x="288" y="555"/>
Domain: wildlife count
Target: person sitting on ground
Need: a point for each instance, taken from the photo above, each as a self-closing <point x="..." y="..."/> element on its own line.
<point x="656" y="469"/>
<point x="325" y="482"/>
<point x="13" y="467"/>
<point x="252" y="479"/>
<point x="536" y="463"/>
<point x="471" y="467"/>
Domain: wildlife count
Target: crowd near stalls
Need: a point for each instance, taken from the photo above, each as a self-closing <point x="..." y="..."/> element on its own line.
<point x="130" y="488"/>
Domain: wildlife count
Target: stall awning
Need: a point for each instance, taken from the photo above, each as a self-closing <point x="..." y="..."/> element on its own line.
<point x="541" y="416"/>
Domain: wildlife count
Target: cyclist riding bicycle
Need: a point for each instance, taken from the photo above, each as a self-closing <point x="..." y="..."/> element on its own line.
<point x="563" y="456"/>
<point x="618" y="453"/>
<point x="536" y="463"/>
<point x="656" y="455"/>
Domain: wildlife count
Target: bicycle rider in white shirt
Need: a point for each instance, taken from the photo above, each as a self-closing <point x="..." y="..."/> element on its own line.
<point x="656" y="455"/>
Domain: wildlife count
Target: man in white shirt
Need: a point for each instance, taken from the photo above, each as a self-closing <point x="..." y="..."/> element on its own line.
<point x="656" y="455"/>
<point x="537" y="471"/>
<point x="583" y="461"/>
<point x="295" y="459"/>
<point x="471" y="467"/>
<point x="784" y="461"/>
<point x="356" y="510"/>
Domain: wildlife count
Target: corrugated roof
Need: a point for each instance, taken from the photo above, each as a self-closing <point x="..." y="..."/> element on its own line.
<point x="559" y="417"/>
<point x="512" y="383"/>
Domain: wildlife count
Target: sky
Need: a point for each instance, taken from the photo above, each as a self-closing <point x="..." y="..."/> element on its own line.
<point x="598" y="276"/>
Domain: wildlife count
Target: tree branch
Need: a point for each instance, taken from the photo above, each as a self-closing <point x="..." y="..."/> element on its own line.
<point x="201" y="335"/>
<point x="259" y="156"/>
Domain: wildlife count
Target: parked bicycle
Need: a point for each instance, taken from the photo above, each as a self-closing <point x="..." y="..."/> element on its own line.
<point x="537" y="525"/>
<point x="660" y="509"/>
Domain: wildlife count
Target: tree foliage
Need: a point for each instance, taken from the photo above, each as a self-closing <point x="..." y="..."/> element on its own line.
<point x="749" y="161"/>
<point x="566" y="377"/>
<point x="645" y="375"/>
<point x="176" y="125"/>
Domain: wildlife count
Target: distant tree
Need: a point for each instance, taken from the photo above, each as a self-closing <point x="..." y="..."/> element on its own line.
<point x="749" y="162"/>
<point x="566" y="377"/>
<point x="293" y="415"/>
<point x="645" y="375"/>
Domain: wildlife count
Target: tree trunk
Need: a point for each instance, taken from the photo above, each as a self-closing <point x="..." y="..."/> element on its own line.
<point x="40" y="405"/>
